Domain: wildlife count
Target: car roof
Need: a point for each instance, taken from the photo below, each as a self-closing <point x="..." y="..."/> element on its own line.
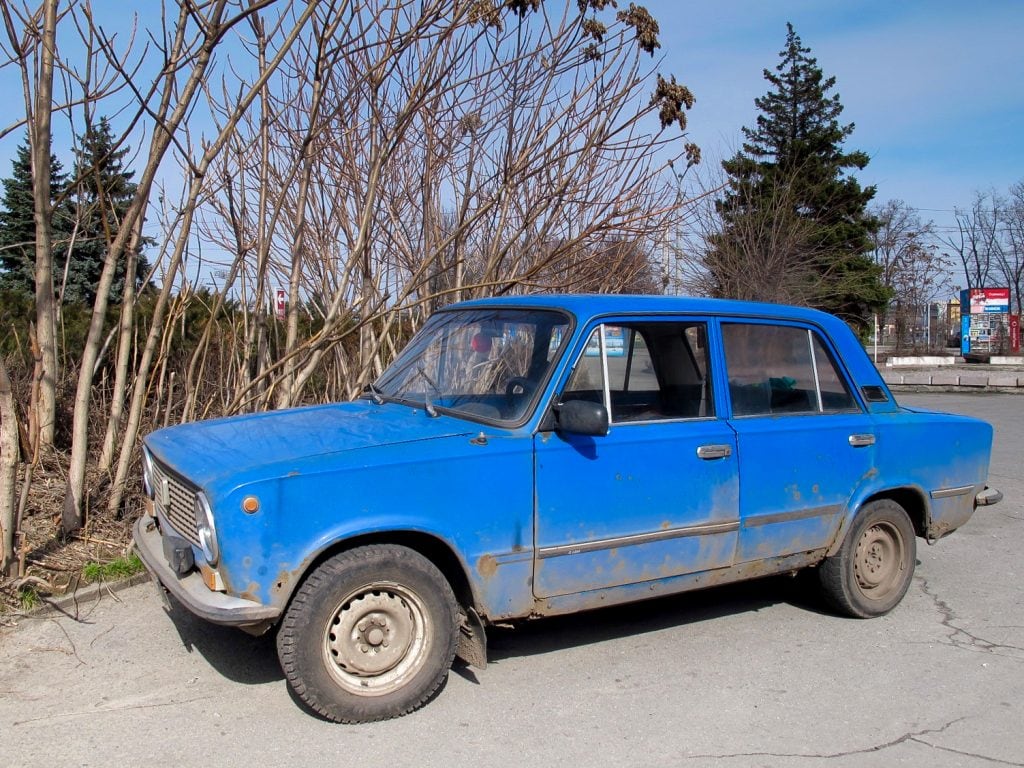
<point x="591" y="305"/>
<point x="588" y="307"/>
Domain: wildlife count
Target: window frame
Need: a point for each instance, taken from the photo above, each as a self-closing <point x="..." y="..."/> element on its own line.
<point x="634" y="325"/>
<point x="558" y="342"/>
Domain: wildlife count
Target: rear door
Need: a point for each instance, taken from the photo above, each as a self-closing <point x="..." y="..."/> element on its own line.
<point x="805" y="444"/>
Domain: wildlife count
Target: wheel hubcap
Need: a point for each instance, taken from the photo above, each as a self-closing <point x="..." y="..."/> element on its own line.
<point x="376" y="639"/>
<point x="879" y="560"/>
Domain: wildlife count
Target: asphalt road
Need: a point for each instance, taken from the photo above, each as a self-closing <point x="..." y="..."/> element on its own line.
<point x="755" y="674"/>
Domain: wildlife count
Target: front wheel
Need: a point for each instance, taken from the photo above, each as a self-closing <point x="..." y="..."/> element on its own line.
<point x="871" y="572"/>
<point x="370" y="634"/>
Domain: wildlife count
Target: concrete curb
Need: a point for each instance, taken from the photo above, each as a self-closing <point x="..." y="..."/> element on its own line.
<point x="945" y="380"/>
<point x="72" y="604"/>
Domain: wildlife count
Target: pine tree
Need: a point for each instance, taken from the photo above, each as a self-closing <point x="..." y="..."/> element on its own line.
<point x="17" y="222"/>
<point x="86" y="216"/>
<point x="101" y="194"/>
<point x="789" y="189"/>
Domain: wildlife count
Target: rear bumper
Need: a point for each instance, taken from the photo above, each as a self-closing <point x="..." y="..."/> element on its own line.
<point x="190" y="590"/>
<point x="988" y="497"/>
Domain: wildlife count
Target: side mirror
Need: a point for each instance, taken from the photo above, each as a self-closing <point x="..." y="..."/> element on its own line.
<point x="580" y="417"/>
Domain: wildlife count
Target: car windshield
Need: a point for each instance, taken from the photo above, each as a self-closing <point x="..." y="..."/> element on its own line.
<point x="482" y="364"/>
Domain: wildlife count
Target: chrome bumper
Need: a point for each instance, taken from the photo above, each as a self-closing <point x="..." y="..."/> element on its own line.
<point x="190" y="590"/>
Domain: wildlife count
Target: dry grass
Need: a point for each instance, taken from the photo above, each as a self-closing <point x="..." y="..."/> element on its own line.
<point x="54" y="564"/>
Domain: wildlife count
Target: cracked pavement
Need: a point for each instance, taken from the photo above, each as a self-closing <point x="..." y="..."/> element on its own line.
<point x="754" y="674"/>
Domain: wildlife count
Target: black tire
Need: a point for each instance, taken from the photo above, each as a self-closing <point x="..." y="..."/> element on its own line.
<point x="370" y="634"/>
<point x="871" y="572"/>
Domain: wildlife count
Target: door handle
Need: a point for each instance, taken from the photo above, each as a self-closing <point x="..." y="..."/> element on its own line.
<point x="862" y="441"/>
<point x="714" y="451"/>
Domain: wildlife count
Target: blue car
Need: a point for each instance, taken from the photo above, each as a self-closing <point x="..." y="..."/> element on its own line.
<point x="531" y="456"/>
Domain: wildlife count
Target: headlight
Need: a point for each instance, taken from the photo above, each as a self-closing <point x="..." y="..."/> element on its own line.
<point x="148" y="485"/>
<point x="206" y="529"/>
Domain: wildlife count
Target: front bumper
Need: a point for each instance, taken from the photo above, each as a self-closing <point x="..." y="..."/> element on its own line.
<point x="190" y="590"/>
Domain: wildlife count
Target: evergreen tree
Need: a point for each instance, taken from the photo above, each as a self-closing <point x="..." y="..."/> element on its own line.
<point x="794" y="168"/>
<point x="102" y="192"/>
<point x="17" y="223"/>
<point x="86" y="215"/>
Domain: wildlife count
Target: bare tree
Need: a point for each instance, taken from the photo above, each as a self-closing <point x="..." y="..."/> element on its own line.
<point x="8" y="475"/>
<point x="912" y="268"/>
<point x="615" y="265"/>
<point x="373" y="159"/>
<point x="1010" y="258"/>
<point x="31" y="37"/>
<point x="771" y="255"/>
<point x="188" y="49"/>
<point x="977" y="240"/>
<point x="216" y="25"/>
<point x="479" y="152"/>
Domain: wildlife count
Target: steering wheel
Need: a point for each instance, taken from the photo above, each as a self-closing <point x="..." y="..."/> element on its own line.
<point x="517" y="386"/>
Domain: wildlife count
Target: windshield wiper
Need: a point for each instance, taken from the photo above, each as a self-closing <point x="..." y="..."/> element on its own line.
<point x="427" y="405"/>
<point x="375" y="394"/>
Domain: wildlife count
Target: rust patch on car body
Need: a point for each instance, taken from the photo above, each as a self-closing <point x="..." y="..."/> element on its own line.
<point x="252" y="592"/>
<point x="281" y="583"/>
<point x="487" y="566"/>
<point x="658" y="586"/>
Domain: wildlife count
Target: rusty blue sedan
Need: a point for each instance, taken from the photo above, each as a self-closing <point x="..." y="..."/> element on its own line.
<point x="531" y="456"/>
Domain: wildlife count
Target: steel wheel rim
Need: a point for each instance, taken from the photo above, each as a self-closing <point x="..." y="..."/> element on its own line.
<point x="879" y="561"/>
<point x="376" y="639"/>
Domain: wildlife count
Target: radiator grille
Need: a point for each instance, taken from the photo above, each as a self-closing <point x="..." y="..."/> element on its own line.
<point x="175" y="502"/>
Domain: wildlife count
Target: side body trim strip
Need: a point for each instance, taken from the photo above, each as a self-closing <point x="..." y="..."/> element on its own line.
<point x="709" y="529"/>
<point x="948" y="493"/>
<point x="786" y="517"/>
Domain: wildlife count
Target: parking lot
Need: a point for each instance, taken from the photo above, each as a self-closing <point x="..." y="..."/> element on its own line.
<point x="754" y="674"/>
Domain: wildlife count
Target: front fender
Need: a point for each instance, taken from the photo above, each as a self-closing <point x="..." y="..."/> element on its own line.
<point x="413" y="534"/>
<point x="474" y="502"/>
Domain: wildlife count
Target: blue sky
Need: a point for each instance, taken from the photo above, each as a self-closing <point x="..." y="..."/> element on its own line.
<point x="935" y="89"/>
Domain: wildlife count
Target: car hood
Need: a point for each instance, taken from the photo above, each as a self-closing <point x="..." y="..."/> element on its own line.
<point x="272" y="444"/>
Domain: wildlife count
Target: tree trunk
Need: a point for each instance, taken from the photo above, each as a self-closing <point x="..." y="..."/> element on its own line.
<point x="124" y="344"/>
<point x="46" y="316"/>
<point x="8" y="474"/>
<point x="176" y="102"/>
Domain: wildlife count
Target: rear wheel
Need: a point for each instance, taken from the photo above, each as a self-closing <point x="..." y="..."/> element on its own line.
<point x="370" y="635"/>
<point x="871" y="572"/>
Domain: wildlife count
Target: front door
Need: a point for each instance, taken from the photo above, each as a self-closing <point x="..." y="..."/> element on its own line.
<point x="656" y="497"/>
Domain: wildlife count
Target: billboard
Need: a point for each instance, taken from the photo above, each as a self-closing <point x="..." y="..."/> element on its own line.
<point x="982" y="301"/>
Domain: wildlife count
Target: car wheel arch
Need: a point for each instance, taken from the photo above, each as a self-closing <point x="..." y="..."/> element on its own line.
<point x="432" y="547"/>
<point x="913" y="499"/>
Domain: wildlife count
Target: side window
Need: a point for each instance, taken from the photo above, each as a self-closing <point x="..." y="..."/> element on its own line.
<point x="655" y="371"/>
<point x="777" y="369"/>
<point x="587" y="379"/>
<point x="835" y="396"/>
